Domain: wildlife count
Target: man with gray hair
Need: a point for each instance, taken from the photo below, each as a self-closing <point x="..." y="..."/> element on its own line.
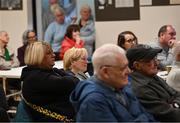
<point x="56" y="30"/>
<point x="107" y="97"/>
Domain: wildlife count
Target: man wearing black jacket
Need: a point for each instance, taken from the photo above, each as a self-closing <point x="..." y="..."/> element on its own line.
<point x="153" y="92"/>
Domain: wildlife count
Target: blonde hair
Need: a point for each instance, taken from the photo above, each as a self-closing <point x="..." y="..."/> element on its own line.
<point x="35" y="53"/>
<point x="71" y="55"/>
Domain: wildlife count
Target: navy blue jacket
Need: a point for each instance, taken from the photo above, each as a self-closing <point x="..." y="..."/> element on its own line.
<point x="95" y="101"/>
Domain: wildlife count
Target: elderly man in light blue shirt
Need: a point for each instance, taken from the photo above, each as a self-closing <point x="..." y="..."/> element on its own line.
<point x="56" y="31"/>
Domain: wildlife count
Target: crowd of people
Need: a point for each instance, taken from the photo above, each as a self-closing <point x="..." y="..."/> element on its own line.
<point x="124" y="86"/>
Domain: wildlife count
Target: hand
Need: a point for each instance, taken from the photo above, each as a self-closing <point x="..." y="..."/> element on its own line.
<point x="171" y="43"/>
<point x="74" y="19"/>
<point x="78" y="39"/>
<point x="12" y="62"/>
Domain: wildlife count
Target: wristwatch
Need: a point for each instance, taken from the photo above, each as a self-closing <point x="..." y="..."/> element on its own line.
<point x="176" y="105"/>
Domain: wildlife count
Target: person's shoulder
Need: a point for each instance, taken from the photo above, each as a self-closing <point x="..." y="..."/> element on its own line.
<point x="60" y="71"/>
<point x="52" y="25"/>
<point x="23" y="47"/>
<point x="10" y="49"/>
<point x="154" y="44"/>
<point x="90" y="21"/>
<point x="94" y="96"/>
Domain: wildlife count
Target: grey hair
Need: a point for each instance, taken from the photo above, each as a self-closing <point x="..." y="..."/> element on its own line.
<point x="58" y="9"/>
<point x="25" y="36"/>
<point x="106" y="55"/>
<point x="85" y="6"/>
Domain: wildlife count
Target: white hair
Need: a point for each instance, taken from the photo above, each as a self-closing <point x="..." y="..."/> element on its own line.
<point x="58" y="9"/>
<point x="106" y="55"/>
<point x="85" y="6"/>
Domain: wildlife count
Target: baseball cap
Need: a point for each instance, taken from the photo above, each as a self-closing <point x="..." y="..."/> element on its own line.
<point x="141" y="51"/>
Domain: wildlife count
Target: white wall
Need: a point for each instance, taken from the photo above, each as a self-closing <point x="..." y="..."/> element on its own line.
<point x="14" y="22"/>
<point x="146" y="29"/>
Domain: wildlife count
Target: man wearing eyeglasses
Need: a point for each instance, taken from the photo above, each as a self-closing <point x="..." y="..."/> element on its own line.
<point x="107" y="96"/>
<point x="166" y="40"/>
<point x="153" y="92"/>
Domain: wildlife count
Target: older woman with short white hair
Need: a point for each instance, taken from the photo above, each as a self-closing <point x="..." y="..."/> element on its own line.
<point x="173" y="78"/>
<point x="87" y="31"/>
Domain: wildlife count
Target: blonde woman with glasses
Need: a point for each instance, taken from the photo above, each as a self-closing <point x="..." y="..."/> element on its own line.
<point x="45" y="89"/>
<point x="75" y="62"/>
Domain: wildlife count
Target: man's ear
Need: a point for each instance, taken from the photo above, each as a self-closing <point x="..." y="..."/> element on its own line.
<point x="136" y="65"/>
<point x="104" y="72"/>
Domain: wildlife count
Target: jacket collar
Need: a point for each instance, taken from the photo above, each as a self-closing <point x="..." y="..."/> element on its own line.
<point x="142" y="79"/>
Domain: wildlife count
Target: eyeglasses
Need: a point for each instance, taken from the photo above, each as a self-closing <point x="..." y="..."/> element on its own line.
<point x="31" y="37"/>
<point x="81" y="58"/>
<point x="131" y="40"/>
<point x="172" y="33"/>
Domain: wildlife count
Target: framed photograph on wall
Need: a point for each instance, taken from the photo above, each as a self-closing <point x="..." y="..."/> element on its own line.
<point x="11" y="5"/>
<point x="117" y="10"/>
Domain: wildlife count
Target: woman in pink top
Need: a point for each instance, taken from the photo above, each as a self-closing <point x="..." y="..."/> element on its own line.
<point x="72" y="39"/>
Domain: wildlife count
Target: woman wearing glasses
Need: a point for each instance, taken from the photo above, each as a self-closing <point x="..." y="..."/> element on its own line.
<point x="127" y="39"/>
<point x="75" y="62"/>
<point x="29" y="36"/>
<point x="45" y="89"/>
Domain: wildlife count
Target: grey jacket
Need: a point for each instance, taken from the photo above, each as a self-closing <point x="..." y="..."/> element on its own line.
<point x="157" y="97"/>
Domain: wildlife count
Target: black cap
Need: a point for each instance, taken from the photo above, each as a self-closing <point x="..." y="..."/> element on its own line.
<point x="141" y="51"/>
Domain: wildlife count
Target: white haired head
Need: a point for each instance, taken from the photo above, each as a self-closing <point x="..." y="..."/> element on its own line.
<point x="106" y="55"/>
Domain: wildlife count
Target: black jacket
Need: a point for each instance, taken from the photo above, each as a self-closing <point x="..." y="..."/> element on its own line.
<point x="3" y="106"/>
<point x="49" y="89"/>
<point x="157" y="97"/>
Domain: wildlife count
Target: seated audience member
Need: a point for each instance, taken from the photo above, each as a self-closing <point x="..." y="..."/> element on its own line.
<point x="173" y="78"/>
<point x="166" y="39"/>
<point x="106" y="97"/>
<point x="7" y="57"/>
<point x="87" y="28"/>
<point x="75" y="62"/>
<point x="153" y="92"/>
<point x="46" y="90"/>
<point x="29" y="36"/>
<point x="127" y="39"/>
<point x="71" y="39"/>
<point x="3" y="107"/>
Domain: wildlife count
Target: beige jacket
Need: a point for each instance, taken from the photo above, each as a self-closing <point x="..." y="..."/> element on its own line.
<point x="8" y="64"/>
